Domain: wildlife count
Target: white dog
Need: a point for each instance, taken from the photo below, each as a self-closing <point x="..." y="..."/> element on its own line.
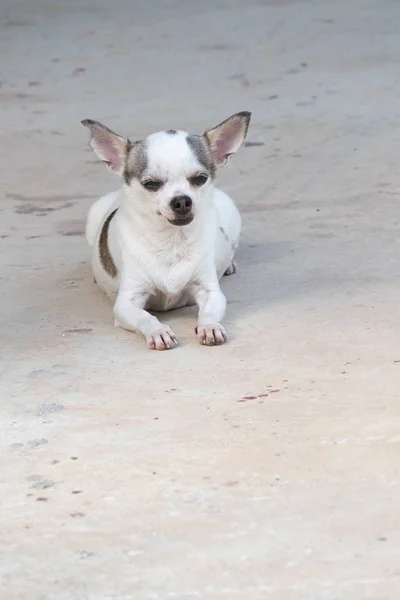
<point x="166" y="238"/>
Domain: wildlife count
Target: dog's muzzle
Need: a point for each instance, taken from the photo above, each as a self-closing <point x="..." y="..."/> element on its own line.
<point x="182" y="209"/>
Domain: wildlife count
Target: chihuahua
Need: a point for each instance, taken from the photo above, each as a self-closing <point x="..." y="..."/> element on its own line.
<point x="168" y="236"/>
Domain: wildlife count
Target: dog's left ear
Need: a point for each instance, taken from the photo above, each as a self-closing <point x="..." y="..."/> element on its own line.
<point x="110" y="147"/>
<point x="227" y="137"/>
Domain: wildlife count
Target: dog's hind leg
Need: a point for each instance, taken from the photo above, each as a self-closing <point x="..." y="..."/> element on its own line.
<point x="228" y="233"/>
<point x="231" y="270"/>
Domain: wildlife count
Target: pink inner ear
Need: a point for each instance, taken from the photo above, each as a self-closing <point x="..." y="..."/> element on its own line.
<point x="226" y="143"/>
<point x="109" y="150"/>
<point x="116" y="160"/>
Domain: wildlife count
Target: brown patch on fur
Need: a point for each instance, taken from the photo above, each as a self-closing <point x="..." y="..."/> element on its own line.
<point x="222" y="230"/>
<point x="200" y="147"/>
<point x="135" y="162"/>
<point x="106" y="259"/>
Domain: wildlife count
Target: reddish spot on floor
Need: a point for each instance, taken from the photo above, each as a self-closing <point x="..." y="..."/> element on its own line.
<point x="246" y="398"/>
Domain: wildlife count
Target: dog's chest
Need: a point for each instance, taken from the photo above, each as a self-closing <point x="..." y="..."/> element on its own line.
<point x="167" y="268"/>
<point x="171" y="274"/>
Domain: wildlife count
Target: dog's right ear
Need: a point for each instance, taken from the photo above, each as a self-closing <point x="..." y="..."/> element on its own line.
<point x="110" y="147"/>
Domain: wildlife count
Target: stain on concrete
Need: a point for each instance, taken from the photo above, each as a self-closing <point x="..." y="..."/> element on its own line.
<point x="37" y="372"/>
<point x="72" y="228"/>
<point x="46" y="409"/>
<point x="29" y="209"/>
<point x="39" y="483"/>
<point x="17" y="23"/>
<point x="83" y="554"/>
<point x="37" y="442"/>
<point x="72" y="233"/>
<point x="55" y="198"/>
<point x="12" y="96"/>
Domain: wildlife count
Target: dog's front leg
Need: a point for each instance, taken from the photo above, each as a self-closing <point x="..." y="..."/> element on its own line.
<point x="212" y="304"/>
<point x="130" y="314"/>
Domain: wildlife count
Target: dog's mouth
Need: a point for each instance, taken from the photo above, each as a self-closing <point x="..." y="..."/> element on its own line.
<point x="181" y="221"/>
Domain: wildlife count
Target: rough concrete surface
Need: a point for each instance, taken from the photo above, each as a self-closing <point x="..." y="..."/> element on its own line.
<point x="266" y="468"/>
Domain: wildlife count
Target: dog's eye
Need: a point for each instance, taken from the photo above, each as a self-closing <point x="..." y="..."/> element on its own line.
<point x="152" y="185"/>
<point x="198" y="180"/>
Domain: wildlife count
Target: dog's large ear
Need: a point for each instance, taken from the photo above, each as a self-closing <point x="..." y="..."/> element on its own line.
<point x="227" y="137"/>
<point x="110" y="147"/>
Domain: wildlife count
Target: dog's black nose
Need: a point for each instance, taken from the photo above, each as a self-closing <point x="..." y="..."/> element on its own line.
<point x="181" y="204"/>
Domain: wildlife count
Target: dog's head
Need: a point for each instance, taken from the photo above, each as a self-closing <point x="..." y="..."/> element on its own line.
<point x="170" y="173"/>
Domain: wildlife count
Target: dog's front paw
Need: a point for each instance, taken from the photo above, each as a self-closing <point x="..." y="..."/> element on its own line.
<point x="211" y="335"/>
<point x="162" y="339"/>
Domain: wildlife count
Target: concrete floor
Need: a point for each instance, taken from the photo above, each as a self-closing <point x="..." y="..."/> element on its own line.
<point x="266" y="468"/>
